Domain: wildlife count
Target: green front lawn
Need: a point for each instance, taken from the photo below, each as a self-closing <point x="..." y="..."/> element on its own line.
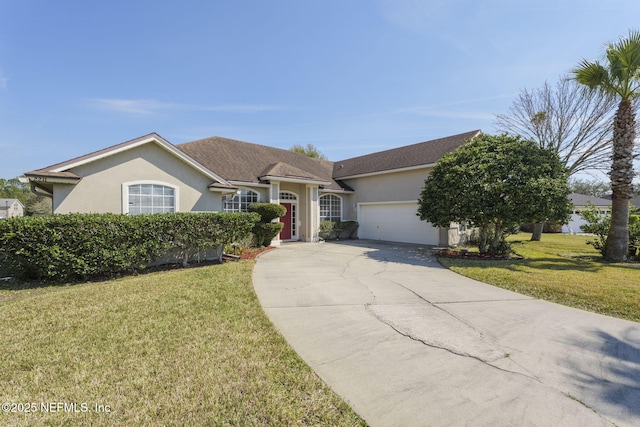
<point x="562" y="269"/>
<point x="182" y="347"/>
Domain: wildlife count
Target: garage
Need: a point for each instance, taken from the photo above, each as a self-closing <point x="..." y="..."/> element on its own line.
<point x="395" y="222"/>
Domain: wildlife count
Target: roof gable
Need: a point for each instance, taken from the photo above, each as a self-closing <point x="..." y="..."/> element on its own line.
<point x="239" y="161"/>
<point x="9" y="202"/>
<point x="63" y="170"/>
<point x="288" y="172"/>
<point x="409" y="156"/>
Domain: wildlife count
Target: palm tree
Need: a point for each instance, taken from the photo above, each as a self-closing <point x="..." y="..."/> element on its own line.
<point x="618" y="75"/>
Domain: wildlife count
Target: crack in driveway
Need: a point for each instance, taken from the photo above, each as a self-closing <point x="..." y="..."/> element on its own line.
<point x="449" y="333"/>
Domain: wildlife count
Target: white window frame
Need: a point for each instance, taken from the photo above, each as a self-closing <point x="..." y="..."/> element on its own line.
<point x="125" y="193"/>
<point x="242" y="204"/>
<point x="320" y="208"/>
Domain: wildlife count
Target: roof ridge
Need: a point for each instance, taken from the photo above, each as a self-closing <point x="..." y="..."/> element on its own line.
<point x="404" y="147"/>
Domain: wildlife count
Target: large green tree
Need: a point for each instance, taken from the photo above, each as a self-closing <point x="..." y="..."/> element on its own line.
<point x="33" y="204"/>
<point x="496" y="183"/>
<point x="618" y="74"/>
<point x="309" y="150"/>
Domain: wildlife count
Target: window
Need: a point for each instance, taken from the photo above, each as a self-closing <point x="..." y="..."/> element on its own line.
<point x="241" y="201"/>
<point x="286" y="195"/>
<point x="150" y="198"/>
<point x="330" y="208"/>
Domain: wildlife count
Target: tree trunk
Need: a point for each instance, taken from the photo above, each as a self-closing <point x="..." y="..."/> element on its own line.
<point x="617" y="245"/>
<point x="482" y="239"/>
<point x="537" y="231"/>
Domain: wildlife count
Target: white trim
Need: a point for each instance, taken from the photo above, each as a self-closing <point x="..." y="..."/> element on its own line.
<point x="290" y="192"/>
<point x="249" y="184"/>
<point x="332" y="191"/>
<point x="125" y="193"/>
<point x="341" y="205"/>
<point x="163" y="143"/>
<point x="274" y="192"/>
<point x="41" y="179"/>
<point x="392" y="202"/>
<point x="298" y="222"/>
<point x="409" y="168"/>
<point x="295" y="180"/>
<point x="237" y="193"/>
<point x="312" y="213"/>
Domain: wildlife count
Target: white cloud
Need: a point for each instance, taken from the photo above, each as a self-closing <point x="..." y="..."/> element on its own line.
<point x="152" y="106"/>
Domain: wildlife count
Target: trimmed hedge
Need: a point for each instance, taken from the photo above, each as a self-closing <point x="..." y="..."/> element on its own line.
<point x="265" y="231"/>
<point x="73" y="246"/>
<point x="330" y="230"/>
<point x="267" y="211"/>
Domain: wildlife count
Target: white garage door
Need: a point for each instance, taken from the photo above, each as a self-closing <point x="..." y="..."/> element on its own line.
<point x="395" y="222"/>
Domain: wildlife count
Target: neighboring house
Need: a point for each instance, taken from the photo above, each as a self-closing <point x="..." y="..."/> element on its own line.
<point x="10" y="208"/>
<point x="149" y="175"/>
<point x="580" y="203"/>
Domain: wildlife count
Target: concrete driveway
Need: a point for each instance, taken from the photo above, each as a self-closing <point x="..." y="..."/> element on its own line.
<point x="408" y="343"/>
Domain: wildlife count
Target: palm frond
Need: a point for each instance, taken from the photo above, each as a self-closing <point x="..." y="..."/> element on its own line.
<point x="592" y="74"/>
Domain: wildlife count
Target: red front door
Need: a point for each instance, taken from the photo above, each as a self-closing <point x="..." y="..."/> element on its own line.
<point x="285" y="234"/>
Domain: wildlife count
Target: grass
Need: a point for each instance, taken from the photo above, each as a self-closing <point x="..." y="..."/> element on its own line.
<point x="562" y="269"/>
<point x="181" y="347"/>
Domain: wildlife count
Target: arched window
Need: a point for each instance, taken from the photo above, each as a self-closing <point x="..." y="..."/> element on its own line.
<point x="330" y="208"/>
<point x="287" y="195"/>
<point x="149" y="198"/>
<point x="240" y="201"/>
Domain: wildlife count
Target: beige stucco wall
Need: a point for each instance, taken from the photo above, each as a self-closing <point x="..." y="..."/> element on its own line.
<point x="100" y="189"/>
<point x="404" y="186"/>
<point x="389" y="187"/>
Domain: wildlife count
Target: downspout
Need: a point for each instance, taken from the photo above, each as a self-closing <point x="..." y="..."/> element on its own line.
<point x="40" y="191"/>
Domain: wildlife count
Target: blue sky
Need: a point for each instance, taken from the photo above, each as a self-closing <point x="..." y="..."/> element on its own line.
<point x="349" y="76"/>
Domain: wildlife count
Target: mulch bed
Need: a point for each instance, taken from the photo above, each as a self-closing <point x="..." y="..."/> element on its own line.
<point x="452" y="253"/>
<point x="251" y="253"/>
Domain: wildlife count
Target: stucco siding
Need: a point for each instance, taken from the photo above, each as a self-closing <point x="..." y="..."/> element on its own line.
<point x="389" y="187"/>
<point x="100" y="189"/>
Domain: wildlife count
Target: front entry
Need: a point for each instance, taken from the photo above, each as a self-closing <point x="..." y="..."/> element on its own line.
<point x="289" y="231"/>
<point x="290" y="219"/>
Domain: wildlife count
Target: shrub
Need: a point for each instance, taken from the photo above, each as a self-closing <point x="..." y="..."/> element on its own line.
<point x="265" y="230"/>
<point x="267" y="211"/>
<point x="347" y="229"/>
<point x="598" y="224"/>
<point x="337" y="229"/>
<point x="72" y="246"/>
<point x="484" y="237"/>
<point x="326" y="229"/>
<point x="634" y="236"/>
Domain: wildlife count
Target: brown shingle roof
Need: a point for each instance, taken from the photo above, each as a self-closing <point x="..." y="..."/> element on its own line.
<point x="246" y="162"/>
<point x="285" y="170"/>
<point x="578" y="199"/>
<point x="423" y="153"/>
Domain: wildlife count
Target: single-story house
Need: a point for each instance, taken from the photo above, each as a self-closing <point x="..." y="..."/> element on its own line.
<point x="149" y="175"/>
<point x="580" y="203"/>
<point x="10" y="208"/>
